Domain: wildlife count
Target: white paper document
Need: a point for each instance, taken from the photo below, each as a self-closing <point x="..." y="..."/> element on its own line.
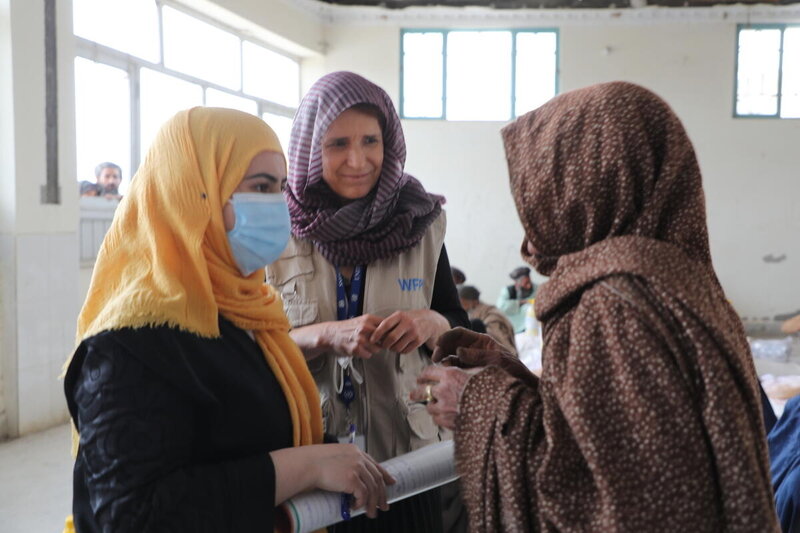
<point x="415" y="472"/>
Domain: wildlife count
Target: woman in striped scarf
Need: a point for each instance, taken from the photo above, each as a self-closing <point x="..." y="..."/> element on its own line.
<point x="365" y="278"/>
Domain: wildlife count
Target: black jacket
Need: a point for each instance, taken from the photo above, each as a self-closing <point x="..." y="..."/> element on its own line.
<point x="175" y="432"/>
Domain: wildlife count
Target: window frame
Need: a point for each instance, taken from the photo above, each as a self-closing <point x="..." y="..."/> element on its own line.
<point x="100" y="53"/>
<point x="513" y="94"/>
<point x="764" y="26"/>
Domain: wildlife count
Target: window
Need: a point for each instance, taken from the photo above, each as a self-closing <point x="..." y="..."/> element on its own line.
<point x="270" y="75"/>
<point x="216" y="98"/>
<point x="478" y="69"/>
<point x="162" y="96"/>
<point x="129" y="26"/>
<point x="141" y="61"/>
<point x="768" y="71"/>
<point x="201" y="50"/>
<point x="102" y="116"/>
<point x="477" y="75"/>
<point x="282" y="126"/>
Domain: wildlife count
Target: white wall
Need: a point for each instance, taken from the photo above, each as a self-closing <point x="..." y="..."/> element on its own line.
<point x="749" y="166"/>
<point x="7" y="185"/>
<point x="38" y="242"/>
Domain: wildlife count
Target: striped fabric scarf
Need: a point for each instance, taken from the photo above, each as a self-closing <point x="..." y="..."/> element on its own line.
<point x="389" y="220"/>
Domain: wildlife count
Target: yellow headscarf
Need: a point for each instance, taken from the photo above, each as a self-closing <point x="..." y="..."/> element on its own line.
<point x="166" y="258"/>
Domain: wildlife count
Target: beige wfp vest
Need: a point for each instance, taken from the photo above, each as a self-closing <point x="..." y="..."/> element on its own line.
<point x="390" y="422"/>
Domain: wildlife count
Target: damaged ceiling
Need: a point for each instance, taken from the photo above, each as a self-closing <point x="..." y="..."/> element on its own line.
<point x="552" y="4"/>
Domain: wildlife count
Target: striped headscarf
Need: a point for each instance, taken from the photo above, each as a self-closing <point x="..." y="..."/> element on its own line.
<point x="392" y="218"/>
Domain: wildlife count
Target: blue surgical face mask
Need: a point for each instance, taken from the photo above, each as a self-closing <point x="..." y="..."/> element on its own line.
<point x="261" y="231"/>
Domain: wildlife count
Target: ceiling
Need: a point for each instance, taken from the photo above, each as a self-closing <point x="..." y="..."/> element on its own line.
<point x="551" y="4"/>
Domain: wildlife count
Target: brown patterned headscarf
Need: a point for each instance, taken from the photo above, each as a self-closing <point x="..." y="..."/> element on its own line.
<point x="647" y="416"/>
<point x="614" y="142"/>
<point x="392" y="218"/>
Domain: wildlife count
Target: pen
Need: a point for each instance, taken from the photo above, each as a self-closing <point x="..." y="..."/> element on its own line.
<point x="346" y="497"/>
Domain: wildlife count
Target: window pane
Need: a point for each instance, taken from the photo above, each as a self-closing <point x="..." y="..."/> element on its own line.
<point x="282" y="126"/>
<point x="270" y="75"/>
<point x="215" y="98"/>
<point x="757" y="78"/>
<point x="161" y="97"/>
<point x="102" y="118"/>
<point x="200" y="49"/>
<point x="790" y="90"/>
<point x="130" y="26"/>
<point x="422" y="74"/>
<point x="479" y="75"/>
<point x="536" y="70"/>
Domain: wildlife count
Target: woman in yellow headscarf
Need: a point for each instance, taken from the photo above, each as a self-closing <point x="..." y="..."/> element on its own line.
<point x="195" y="409"/>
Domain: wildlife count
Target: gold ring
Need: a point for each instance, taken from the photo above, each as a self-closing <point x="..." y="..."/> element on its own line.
<point x="429" y="394"/>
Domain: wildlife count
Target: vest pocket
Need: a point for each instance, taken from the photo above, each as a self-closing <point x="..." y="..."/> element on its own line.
<point x="300" y="311"/>
<point x="295" y="262"/>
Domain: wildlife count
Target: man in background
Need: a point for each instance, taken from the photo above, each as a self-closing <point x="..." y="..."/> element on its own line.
<point x="495" y="322"/>
<point x="458" y="276"/>
<point x="514" y="299"/>
<point x="109" y="177"/>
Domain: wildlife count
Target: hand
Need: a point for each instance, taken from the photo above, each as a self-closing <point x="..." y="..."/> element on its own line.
<point x="405" y="331"/>
<point x="345" y="468"/>
<point x="353" y="337"/>
<point x="447" y="385"/>
<point x="466" y="349"/>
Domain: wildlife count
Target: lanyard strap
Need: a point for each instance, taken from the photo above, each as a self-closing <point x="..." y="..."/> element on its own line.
<point x="347" y="304"/>
<point x="347" y="307"/>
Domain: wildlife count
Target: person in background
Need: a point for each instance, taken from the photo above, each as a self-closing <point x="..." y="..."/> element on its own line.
<point x="784" y="453"/>
<point x="365" y="279"/>
<point x="109" y="178"/>
<point x="647" y="416"/>
<point x="195" y="409"/>
<point x="514" y="299"/>
<point x="495" y="322"/>
<point x="88" y="188"/>
<point x="459" y="278"/>
<point x="791" y="325"/>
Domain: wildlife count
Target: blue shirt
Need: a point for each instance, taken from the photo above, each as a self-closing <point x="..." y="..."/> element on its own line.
<point x="784" y="453"/>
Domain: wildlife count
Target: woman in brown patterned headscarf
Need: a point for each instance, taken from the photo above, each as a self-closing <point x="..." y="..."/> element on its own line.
<point x="647" y="415"/>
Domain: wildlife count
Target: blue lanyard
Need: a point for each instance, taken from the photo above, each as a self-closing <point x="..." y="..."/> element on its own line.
<point x="347" y="307"/>
<point x="347" y="304"/>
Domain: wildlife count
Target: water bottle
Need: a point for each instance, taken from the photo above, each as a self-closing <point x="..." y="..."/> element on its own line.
<point x="532" y="358"/>
<point x="531" y="324"/>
